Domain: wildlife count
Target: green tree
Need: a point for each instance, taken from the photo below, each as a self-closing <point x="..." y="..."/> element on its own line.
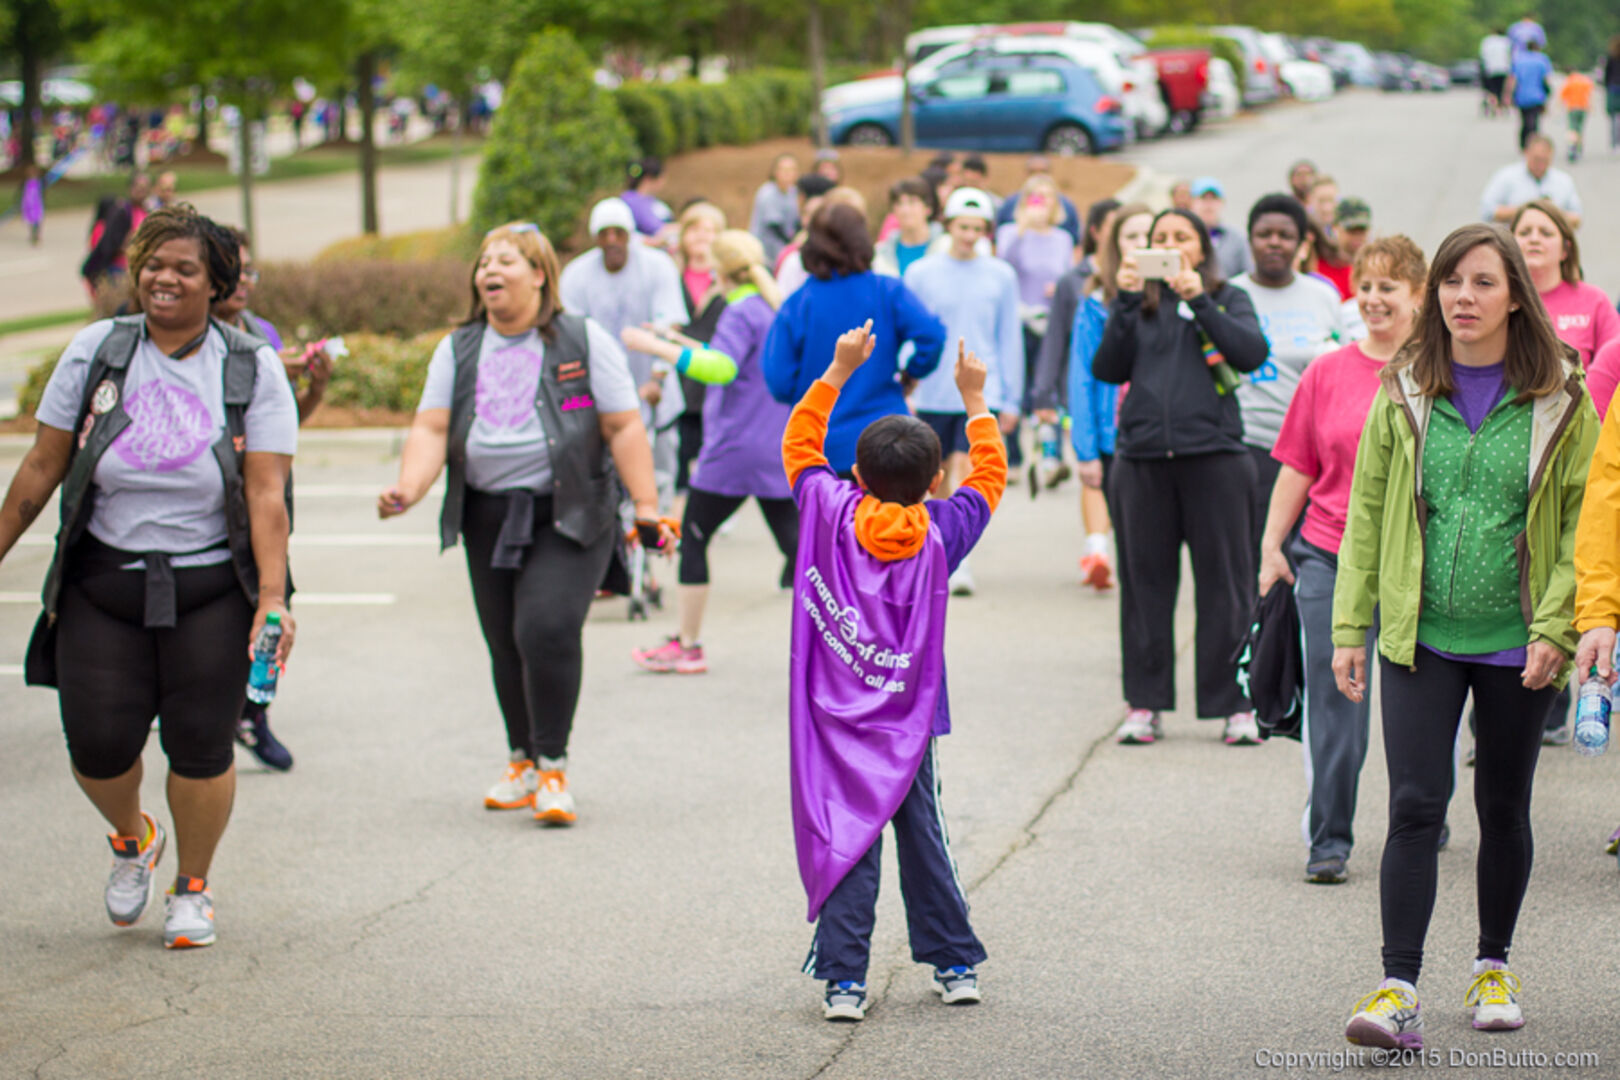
<point x="557" y="142"/>
<point x="32" y="33"/>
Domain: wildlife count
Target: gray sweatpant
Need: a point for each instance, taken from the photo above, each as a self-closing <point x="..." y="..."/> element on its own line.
<point x="1335" y="735"/>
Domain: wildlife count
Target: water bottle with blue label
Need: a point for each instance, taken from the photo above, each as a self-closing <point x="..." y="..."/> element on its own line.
<point x="262" y="676"/>
<point x="1049" y="442"/>
<point x="1592" y="716"/>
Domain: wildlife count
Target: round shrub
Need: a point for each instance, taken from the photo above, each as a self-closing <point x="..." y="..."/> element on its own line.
<point x="558" y="141"/>
<point x="647" y="112"/>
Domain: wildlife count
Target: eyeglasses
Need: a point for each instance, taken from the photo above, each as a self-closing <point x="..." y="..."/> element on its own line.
<point x="519" y="227"/>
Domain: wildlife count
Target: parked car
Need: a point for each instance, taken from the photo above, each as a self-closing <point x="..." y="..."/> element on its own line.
<point x="1224" y="99"/>
<point x="1395" y="73"/>
<point x="1306" y="80"/>
<point x="995" y="103"/>
<point x="1464" y="73"/>
<point x="1135" y="88"/>
<point x="1431" y="76"/>
<point x="1260" y="81"/>
<point x="1358" y="63"/>
<point x="1322" y="50"/>
<point x="1184" y="84"/>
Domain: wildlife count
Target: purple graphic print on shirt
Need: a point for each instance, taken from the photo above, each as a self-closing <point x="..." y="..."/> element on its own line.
<point x="508" y="379"/>
<point x="169" y="428"/>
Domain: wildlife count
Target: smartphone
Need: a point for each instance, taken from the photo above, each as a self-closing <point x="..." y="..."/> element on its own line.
<point x="1158" y="264"/>
<point x="647" y="532"/>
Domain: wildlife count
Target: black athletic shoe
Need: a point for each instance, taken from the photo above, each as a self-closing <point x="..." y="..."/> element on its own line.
<point x="253" y="731"/>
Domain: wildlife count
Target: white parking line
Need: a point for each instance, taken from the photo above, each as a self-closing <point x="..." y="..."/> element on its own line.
<point x="301" y="599"/>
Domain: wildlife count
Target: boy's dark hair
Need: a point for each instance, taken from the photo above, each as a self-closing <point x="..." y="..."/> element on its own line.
<point x="942" y="161"/>
<point x="813" y="185"/>
<point x="1286" y="205"/>
<point x="917" y="186"/>
<point x="898" y="457"/>
<point x="647" y="168"/>
<point x="975" y="163"/>
<point x="1096" y="214"/>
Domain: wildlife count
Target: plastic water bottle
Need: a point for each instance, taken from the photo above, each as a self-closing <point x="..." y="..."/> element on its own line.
<point x="1592" y="717"/>
<point x="1049" y="441"/>
<point x="261" y="688"/>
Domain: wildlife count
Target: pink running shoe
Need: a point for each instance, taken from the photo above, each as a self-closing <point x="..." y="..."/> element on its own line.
<point x="672" y="657"/>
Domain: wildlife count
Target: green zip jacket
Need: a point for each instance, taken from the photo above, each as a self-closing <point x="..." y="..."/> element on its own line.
<point x="1381" y="561"/>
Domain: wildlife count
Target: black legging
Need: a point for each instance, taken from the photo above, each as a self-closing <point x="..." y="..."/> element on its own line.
<point x="116" y="675"/>
<point x="1422" y="705"/>
<point x="706" y="512"/>
<point x="1158" y="505"/>
<point x="533" y="619"/>
<point x="1529" y="123"/>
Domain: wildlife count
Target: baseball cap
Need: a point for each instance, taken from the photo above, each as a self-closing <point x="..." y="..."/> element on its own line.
<point x="1353" y="213"/>
<point x="1208" y="185"/>
<point x="970" y="202"/>
<point x="612" y="213"/>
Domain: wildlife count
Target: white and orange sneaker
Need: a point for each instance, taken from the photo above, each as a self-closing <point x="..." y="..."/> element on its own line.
<point x="553" y="805"/>
<point x="515" y="790"/>
<point x="134" y="873"/>
<point x="1097" y="571"/>
<point x="189" y="923"/>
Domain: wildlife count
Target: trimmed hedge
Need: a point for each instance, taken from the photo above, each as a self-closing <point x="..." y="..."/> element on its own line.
<point x="672" y="118"/>
<point x="1193" y="37"/>
<point x="377" y="296"/>
<point x="558" y="141"/>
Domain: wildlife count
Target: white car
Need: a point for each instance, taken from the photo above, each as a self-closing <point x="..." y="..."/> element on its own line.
<point x="1222" y="93"/>
<point x="1134" y="84"/>
<point x="1307" y="80"/>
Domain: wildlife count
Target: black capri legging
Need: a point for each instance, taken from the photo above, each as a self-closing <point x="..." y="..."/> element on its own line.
<point x="116" y="675"/>
<point x="533" y="619"/>
<point x="1422" y="707"/>
<point x="706" y="512"/>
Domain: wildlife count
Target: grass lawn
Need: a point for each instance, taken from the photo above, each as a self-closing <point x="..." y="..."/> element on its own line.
<point x="43" y="321"/>
<point x="72" y="194"/>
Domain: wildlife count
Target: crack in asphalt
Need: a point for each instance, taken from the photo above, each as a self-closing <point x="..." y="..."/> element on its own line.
<point x="372" y="921"/>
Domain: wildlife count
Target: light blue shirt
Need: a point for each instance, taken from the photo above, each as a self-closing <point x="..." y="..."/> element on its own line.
<point x="977" y="300"/>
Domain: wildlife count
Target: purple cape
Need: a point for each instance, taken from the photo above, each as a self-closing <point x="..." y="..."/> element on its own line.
<point x="867" y="665"/>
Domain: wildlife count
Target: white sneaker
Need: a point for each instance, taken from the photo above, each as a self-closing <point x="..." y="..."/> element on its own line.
<point x="134" y="874"/>
<point x="1141" y="726"/>
<point x="961" y="582"/>
<point x="553" y="805"/>
<point x="516" y="789"/>
<point x="1493" y="997"/>
<point x="189" y="923"/>
<point x="1242" y="730"/>
<point x="1389" y="1017"/>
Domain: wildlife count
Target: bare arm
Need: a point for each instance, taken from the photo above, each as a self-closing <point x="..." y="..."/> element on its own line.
<point x="39" y="475"/>
<point x="419" y="466"/>
<point x="626" y="437"/>
<point x="1287" y="501"/>
<point x="265" y="477"/>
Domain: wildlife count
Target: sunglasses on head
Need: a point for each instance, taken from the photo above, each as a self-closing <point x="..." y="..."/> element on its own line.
<point x="520" y="227"/>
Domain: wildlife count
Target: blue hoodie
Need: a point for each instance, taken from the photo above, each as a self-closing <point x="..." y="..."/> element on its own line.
<point x="806" y="332"/>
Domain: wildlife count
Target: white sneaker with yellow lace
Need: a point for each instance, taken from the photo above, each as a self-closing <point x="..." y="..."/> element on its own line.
<point x="1389" y="1017"/>
<point x="1493" y="997"/>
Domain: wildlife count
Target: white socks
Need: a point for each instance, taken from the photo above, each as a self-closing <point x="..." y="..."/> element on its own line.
<point x="1097" y="544"/>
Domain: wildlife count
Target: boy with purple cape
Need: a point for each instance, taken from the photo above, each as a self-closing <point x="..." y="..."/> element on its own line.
<point x="867" y="693"/>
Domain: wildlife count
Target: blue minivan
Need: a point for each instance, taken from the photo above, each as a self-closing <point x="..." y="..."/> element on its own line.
<point x="995" y="103"/>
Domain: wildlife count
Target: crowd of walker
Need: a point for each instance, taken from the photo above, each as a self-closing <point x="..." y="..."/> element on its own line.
<point x="1403" y="444"/>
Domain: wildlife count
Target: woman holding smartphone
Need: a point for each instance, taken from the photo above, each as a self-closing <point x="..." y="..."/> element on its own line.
<point x="527" y="405"/>
<point x="1181" y="474"/>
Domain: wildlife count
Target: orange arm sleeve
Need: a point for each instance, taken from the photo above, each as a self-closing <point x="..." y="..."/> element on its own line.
<point x="806" y="430"/>
<point x="988" y="455"/>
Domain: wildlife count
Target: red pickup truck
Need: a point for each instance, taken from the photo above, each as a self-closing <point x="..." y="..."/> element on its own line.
<point x="1183" y="80"/>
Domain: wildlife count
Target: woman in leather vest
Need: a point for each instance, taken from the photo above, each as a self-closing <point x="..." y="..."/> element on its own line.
<point x="526" y="405"/>
<point x="171" y="436"/>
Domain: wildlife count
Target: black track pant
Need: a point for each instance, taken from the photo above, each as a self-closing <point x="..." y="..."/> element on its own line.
<point x="1159" y="505"/>
<point x="1422" y="706"/>
<point x="1529" y="123"/>
<point x="706" y="512"/>
<point x="116" y="675"/>
<point x="533" y="620"/>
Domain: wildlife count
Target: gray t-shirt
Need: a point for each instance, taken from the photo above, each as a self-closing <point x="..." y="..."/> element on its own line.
<point x="646" y="290"/>
<point x="1301" y="322"/>
<point x="158" y="487"/>
<point x="507" y="449"/>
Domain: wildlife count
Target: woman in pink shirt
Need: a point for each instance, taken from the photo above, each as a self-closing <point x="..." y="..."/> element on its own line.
<point x="1581" y="313"/>
<point x="1317" y="448"/>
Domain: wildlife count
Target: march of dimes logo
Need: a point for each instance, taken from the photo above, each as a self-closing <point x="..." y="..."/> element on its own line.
<point x="169" y="428"/>
<point x="846" y="643"/>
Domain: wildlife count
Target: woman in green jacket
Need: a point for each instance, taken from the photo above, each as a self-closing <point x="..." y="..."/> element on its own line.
<point x="1461" y="533"/>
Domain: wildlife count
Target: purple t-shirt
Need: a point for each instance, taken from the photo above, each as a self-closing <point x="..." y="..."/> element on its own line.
<point x="1039" y="258"/>
<point x="742" y="423"/>
<point x="644" y="208"/>
<point x="1478" y="389"/>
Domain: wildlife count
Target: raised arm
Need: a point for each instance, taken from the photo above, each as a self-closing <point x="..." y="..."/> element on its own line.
<point x="806" y="432"/>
